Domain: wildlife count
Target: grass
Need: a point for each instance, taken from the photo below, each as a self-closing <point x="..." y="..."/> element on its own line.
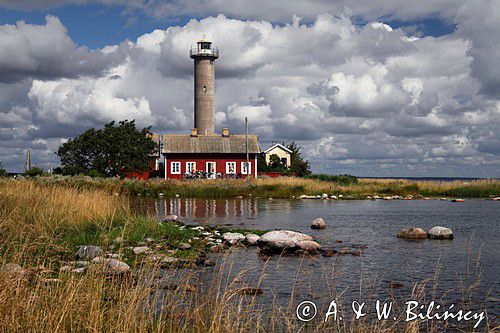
<point x="41" y="224"/>
<point x="284" y="187"/>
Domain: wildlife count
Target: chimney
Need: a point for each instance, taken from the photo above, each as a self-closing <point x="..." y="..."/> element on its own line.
<point x="225" y="132"/>
<point x="194" y="132"/>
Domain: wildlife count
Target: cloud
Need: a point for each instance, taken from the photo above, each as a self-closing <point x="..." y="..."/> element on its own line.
<point x="365" y="99"/>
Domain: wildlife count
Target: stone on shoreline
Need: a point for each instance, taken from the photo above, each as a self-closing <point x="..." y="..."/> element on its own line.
<point x="171" y="218"/>
<point x="251" y="239"/>
<point x="141" y="250"/>
<point x="232" y="237"/>
<point x="112" y="266"/>
<point x="458" y="200"/>
<point x="440" y="233"/>
<point x="308" y="246"/>
<point x="284" y="240"/>
<point x="89" y="252"/>
<point x="412" y="233"/>
<point x="184" y="246"/>
<point x="318" y="223"/>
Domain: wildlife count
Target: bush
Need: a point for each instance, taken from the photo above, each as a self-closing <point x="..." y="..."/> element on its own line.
<point x="3" y="172"/>
<point x="34" y="171"/>
<point x="339" y="179"/>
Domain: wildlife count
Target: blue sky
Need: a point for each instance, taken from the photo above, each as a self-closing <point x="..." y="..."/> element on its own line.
<point x="366" y="87"/>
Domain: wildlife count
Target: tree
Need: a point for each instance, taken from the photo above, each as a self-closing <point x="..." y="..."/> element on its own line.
<point x="275" y="164"/>
<point x="3" y="172"/>
<point x="298" y="165"/>
<point x="110" y="151"/>
<point x="34" y="171"/>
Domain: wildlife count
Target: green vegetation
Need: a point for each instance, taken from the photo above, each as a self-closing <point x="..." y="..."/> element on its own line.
<point x="298" y="166"/>
<point x="3" y="172"/>
<point x="282" y="187"/>
<point x="111" y="151"/>
<point x="34" y="171"/>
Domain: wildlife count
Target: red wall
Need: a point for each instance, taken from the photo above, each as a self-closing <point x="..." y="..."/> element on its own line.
<point x="200" y="159"/>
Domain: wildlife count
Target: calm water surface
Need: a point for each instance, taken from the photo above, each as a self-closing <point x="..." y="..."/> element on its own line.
<point x="386" y="259"/>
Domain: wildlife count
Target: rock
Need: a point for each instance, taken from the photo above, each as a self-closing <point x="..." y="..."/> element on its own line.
<point x="65" y="269"/>
<point x="334" y="197"/>
<point x="388" y="198"/>
<point x="440" y="233"/>
<point x="395" y="285"/>
<point x="141" y="250"/>
<point x="443" y="199"/>
<point x="251" y="239"/>
<point x="280" y="240"/>
<point x="338" y="241"/>
<point x="205" y="262"/>
<point x="118" y="240"/>
<point x="375" y="197"/>
<point x="232" y="237"/>
<point x="324" y="196"/>
<point x="458" y="200"/>
<point x="496" y="199"/>
<point x="341" y="196"/>
<point x="309" y="246"/>
<point x="328" y="252"/>
<point x="216" y="249"/>
<point x="112" y="266"/>
<point x="345" y="250"/>
<point x="177" y="196"/>
<point x="171" y="218"/>
<point x="412" y="233"/>
<point x="80" y="263"/>
<point x="184" y="246"/>
<point x="51" y="281"/>
<point x="89" y="252"/>
<point x="356" y="253"/>
<point x="13" y="269"/>
<point x="149" y="240"/>
<point x="80" y="270"/>
<point x="270" y="198"/>
<point x="319" y="223"/>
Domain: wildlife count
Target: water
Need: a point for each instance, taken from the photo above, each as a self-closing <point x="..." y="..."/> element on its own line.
<point x="385" y="261"/>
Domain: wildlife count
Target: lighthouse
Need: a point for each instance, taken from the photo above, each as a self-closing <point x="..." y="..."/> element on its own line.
<point x="204" y="55"/>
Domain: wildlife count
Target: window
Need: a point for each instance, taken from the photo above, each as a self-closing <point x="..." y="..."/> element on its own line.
<point x="230" y="167"/>
<point x="210" y="167"/>
<point x="244" y="168"/>
<point x="175" y="168"/>
<point x="190" y="167"/>
<point x="284" y="161"/>
<point x="205" y="46"/>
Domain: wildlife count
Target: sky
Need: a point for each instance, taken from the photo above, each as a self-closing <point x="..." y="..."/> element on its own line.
<point x="371" y="88"/>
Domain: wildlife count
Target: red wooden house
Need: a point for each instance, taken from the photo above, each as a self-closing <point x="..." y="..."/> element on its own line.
<point x="217" y="155"/>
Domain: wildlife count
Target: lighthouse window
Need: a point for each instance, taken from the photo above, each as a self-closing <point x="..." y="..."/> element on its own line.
<point x="204" y="88"/>
<point x="205" y="46"/>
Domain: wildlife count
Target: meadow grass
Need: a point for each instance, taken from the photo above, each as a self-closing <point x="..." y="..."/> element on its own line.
<point x="40" y="224"/>
<point x="283" y="187"/>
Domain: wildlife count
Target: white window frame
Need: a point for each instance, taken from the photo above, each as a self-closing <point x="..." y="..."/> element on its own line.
<point x="249" y="171"/>
<point x="188" y="169"/>
<point x="172" y="168"/>
<point x="234" y="168"/>
<point x="215" y="166"/>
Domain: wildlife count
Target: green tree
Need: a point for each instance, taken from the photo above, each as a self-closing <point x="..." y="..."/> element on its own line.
<point x="275" y="164"/>
<point x="110" y="151"/>
<point x="3" y="172"/>
<point x="34" y="171"/>
<point x="298" y="165"/>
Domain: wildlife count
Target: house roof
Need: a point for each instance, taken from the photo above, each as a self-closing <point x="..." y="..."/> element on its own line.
<point x="206" y="144"/>
<point x="277" y="145"/>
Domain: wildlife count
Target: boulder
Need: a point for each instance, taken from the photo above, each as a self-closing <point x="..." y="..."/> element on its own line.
<point x="324" y="196"/>
<point x="458" y="200"/>
<point x="319" y="223"/>
<point x="141" y="250"/>
<point x="440" y="233"/>
<point x="412" y="233"/>
<point x="89" y="252"/>
<point x="251" y="239"/>
<point x="112" y="266"/>
<point x="308" y="246"/>
<point x="171" y="218"/>
<point x="232" y="237"/>
<point x="282" y="240"/>
<point x="184" y="246"/>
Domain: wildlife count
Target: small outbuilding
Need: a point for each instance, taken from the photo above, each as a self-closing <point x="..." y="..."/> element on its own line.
<point x="281" y="151"/>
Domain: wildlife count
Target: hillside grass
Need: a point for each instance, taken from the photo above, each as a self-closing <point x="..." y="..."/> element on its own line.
<point x="283" y="187"/>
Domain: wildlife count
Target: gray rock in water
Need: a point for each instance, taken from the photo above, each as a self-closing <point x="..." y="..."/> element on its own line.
<point x="251" y="239"/>
<point x="184" y="246"/>
<point x="308" y="246"/>
<point x="232" y="237"/>
<point x="89" y="252"/>
<point x="412" y="233"/>
<point x="141" y="250"/>
<point x="280" y="240"/>
<point x="319" y="223"/>
<point x="440" y="233"/>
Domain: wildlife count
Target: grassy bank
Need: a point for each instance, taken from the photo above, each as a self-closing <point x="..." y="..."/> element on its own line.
<point x="41" y="226"/>
<point x="286" y="187"/>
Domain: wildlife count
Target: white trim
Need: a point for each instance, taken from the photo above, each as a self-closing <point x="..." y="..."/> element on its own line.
<point x="215" y="166"/>
<point x="249" y="168"/>
<point x="172" y="168"/>
<point x="187" y="167"/>
<point x="255" y="169"/>
<point x="234" y="168"/>
<point x="278" y="145"/>
<point x="165" y="166"/>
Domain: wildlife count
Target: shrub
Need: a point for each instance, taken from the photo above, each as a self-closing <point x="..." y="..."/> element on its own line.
<point x="34" y="171"/>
